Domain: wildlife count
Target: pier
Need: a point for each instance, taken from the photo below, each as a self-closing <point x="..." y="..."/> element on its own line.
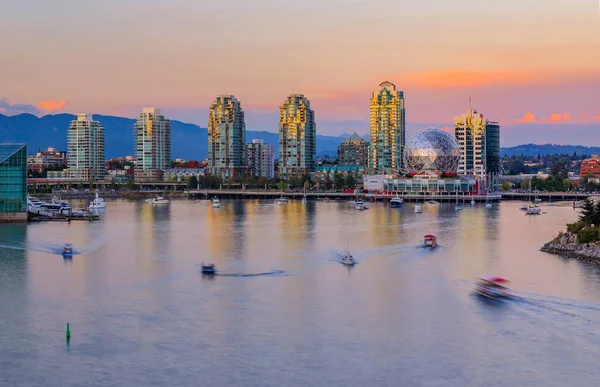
<point x="262" y="194"/>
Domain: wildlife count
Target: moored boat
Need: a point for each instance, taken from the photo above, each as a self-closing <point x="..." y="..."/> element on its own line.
<point x="396" y="202"/>
<point x="304" y="199"/>
<point x="418" y="209"/>
<point x="347" y="259"/>
<point x="429" y="241"/>
<point x="360" y="205"/>
<point x="216" y="203"/>
<point x="97" y="204"/>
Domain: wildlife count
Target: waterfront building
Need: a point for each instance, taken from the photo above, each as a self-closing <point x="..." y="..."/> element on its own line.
<point x="13" y="183"/>
<point x="354" y="151"/>
<point x="260" y="159"/>
<point x="152" y="142"/>
<point x="183" y="174"/>
<point x="226" y="138"/>
<point x="85" y="149"/>
<point x="387" y="128"/>
<point x="297" y="137"/>
<point x="426" y="183"/>
<point x="328" y="172"/>
<point x="479" y="141"/>
<point x="45" y="159"/>
<point x="590" y="166"/>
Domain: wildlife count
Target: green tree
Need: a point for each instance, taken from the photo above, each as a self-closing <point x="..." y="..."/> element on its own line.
<point x="349" y="181"/>
<point x="193" y="182"/>
<point x="505" y="186"/>
<point x="587" y="234"/>
<point x="587" y="215"/>
<point x="338" y="180"/>
<point x="525" y="184"/>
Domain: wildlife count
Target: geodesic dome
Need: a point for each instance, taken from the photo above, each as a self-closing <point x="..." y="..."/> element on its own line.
<point x="432" y="150"/>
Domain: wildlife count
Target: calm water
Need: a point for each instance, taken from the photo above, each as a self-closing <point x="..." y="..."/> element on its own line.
<point x="285" y="312"/>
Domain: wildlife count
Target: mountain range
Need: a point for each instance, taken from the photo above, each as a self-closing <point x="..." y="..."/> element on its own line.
<point x="190" y="141"/>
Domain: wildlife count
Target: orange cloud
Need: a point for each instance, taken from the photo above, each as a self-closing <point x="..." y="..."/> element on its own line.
<point x="51" y="105"/>
<point x="528" y="117"/>
<point x="557" y="117"/>
<point x="468" y="78"/>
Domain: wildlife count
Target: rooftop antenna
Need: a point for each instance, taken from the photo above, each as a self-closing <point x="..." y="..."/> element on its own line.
<point x="469" y="103"/>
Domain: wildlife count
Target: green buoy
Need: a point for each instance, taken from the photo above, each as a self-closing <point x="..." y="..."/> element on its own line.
<point x="68" y="332"/>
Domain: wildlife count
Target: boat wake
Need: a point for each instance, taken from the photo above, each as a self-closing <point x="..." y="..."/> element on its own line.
<point x="272" y="273"/>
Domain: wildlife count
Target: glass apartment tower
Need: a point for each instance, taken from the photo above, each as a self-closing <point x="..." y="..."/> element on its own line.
<point x="226" y="138"/>
<point x="479" y="141"/>
<point x="387" y="128"/>
<point x="13" y="183"/>
<point x="85" y="149"/>
<point x="297" y="137"/>
<point x="152" y="140"/>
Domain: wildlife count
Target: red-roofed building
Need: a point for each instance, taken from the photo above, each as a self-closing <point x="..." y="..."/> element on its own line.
<point x="590" y="167"/>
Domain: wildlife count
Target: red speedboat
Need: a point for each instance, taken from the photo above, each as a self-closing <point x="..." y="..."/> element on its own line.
<point x="492" y="287"/>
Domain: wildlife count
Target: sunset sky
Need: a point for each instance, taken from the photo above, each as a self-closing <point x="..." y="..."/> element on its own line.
<point x="532" y="61"/>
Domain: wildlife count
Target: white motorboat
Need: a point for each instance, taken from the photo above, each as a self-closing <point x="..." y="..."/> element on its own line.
<point x="216" y="203"/>
<point x="34" y="205"/>
<point x="360" y="205"/>
<point x="158" y="200"/>
<point x="97" y="204"/>
<point x="279" y="202"/>
<point x="533" y="210"/>
<point x="472" y="202"/>
<point x="396" y="202"/>
<point x="418" y="209"/>
<point x="488" y="205"/>
<point x="304" y="199"/>
<point x="283" y="199"/>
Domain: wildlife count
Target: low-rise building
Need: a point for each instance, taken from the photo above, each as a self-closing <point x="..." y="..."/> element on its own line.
<point x="590" y="166"/>
<point x="420" y="184"/>
<point x="183" y="174"/>
<point x="44" y="159"/>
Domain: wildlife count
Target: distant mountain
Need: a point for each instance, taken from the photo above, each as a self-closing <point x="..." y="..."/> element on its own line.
<point x="548" y="149"/>
<point x="188" y="141"/>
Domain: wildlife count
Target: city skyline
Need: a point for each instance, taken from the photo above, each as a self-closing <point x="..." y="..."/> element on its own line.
<point x="541" y="71"/>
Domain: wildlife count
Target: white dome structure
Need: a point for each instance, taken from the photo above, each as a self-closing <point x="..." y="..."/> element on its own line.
<point x="432" y="149"/>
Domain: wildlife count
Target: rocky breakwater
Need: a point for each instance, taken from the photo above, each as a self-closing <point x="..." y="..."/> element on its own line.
<point x="566" y="244"/>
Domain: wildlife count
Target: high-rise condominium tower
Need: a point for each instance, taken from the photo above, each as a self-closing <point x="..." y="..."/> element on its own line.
<point x="226" y="138"/>
<point x="152" y="141"/>
<point x="259" y="159"/>
<point x="297" y="137"/>
<point x="354" y="151"/>
<point x="387" y="127"/>
<point x="479" y="140"/>
<point x="85" y="149"/>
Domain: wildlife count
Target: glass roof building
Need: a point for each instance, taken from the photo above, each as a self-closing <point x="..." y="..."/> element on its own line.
<point x="13" y="183"/>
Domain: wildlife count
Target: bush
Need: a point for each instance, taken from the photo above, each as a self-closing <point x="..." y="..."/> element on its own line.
<point x="574" y="228"/>
<point x="587" y="235"/>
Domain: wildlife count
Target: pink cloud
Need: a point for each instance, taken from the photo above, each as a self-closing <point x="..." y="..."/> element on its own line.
<point x="528" y="117"/>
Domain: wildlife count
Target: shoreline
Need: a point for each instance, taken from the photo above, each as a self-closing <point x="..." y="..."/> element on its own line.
<point x="573" y="250"/>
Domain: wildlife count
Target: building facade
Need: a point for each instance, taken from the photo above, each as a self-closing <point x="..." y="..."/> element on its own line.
<point x="85" y="149"/>
<point x="353" y="151"/>
<point x="260" y="159"/>
<point x="13" y="183"/>
<point x="297" y="137"/>
<point x="226" y="138"/>
<point x="45" y="159"/>
<point x="479" y="141"/>
<point x="152" y="141"/>
<point x="590" y="166"/>
<point x="420" y="184"/>
<point x="387" y="126"/>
